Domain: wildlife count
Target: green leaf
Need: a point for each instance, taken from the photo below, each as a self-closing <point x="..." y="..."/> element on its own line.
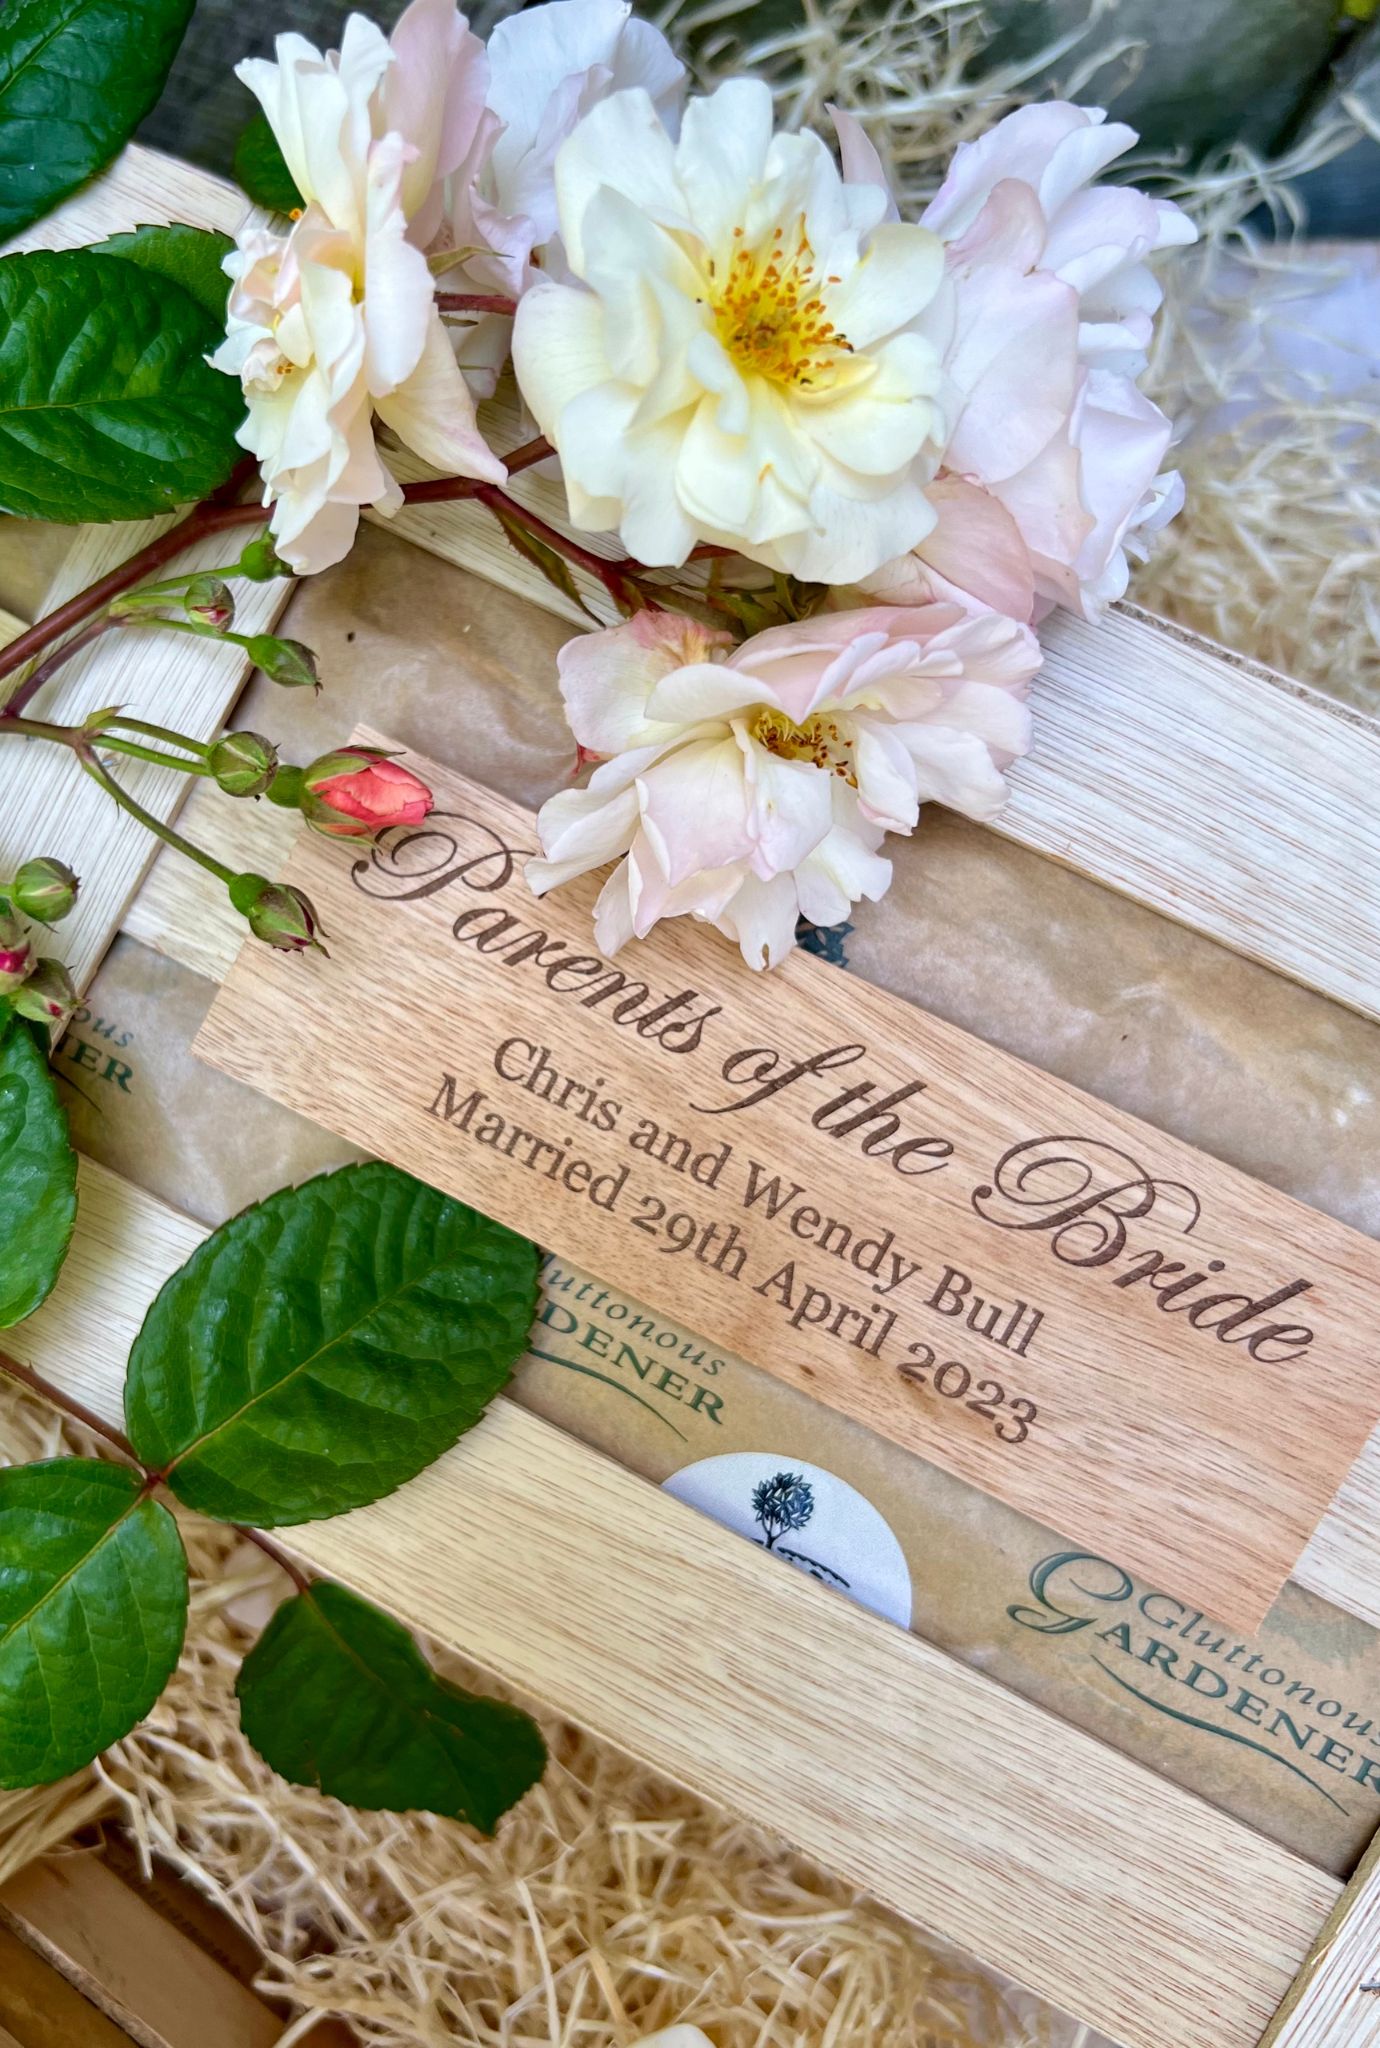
<point x="76" y="79"/>
<point x="191" y="257"/>
<point x="261" y="169"/>
<point x="327" y="1345"/>
<point x="542" y="556"/>
<point x="108" y="409"/>
<point x="38" y="1174"/>
<point x="337" y="1696"/>
<point x="93" y="1607"/>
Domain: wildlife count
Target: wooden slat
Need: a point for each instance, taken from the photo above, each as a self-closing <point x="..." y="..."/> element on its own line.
<point x="47" y="805"/>
<point x="1335" y="2000"/>
<point x="182" y="914"/>
<point x="107" y="1940"/>
<point x="1120" y="1898"/>
<point x="141" y="188"/>
<point x="1214" y="791"/>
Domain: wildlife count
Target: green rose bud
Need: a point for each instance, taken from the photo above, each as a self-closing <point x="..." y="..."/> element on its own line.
<point x="277" y="913"/>
<point x="209" y="603"/>
<point x="243" y="763"/>
<point x="284" y="661"/>
<point x="43" y="889"/>
<point x="203" y="598"/>
<point x="261" y="562"/>
<point x="48" y="995"/>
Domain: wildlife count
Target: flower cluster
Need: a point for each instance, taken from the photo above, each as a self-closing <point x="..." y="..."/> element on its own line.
<point x="922" y="435"/>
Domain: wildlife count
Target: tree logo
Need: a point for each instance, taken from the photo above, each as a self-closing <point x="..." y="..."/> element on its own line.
<point x="781" y="1505"/>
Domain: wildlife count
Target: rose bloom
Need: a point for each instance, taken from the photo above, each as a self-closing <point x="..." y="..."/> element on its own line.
<point x="546" y="67"/>
<point x="750" y="788"/>
<point x="356" y="792"/>
<point x="1051" y="466"/>
<point x="738" y="359"/>
<point x="336" y="322"/>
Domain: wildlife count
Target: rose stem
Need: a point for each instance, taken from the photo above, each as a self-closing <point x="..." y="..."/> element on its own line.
<point x="214" y="516"/>
<point x="66" y="1404"/>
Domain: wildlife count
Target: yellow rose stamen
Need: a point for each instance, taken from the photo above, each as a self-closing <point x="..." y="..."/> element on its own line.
<point x="770" y="316"/>
<point x="819" y="739"/>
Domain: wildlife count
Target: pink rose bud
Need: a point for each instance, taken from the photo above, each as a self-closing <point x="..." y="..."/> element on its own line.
<point x="283" y="917"/>
<point x="43" y="889"/>
<point x="16" y="954"/>
<point x="48" y="995"/>
<point x="357" y="791"/>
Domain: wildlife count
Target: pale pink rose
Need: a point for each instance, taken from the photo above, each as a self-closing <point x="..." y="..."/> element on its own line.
<point x="750" y="788"/>
<point x="335" y="323"/>
<point x="1050" y="446"/>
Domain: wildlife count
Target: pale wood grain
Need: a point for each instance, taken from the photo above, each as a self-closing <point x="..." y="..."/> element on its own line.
<point x="1157" y="1441"/>
<point x="1212" y="790"/>
<point x="179" y="912"/>
<point x="141" y="188"/>
<point x="1120" y="1898"/>
<point x="1335" y="2000"/>
<point x="47" y="805"/>
<point x="114" y="1947"/>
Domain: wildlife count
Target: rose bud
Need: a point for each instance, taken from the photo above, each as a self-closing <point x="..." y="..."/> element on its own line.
<point x="357" y="791"/>
<point x="261" y="562"/>
<point x="202" y="599"/>
<point x="277" y="913"/>
<point x="43" y="889"/>
<point x="48" y="995"/>
<point x="16" y="954"/>
<point x="283" y="661"/>
<point x="243" y="763"/>
<point x="208" y="602"/>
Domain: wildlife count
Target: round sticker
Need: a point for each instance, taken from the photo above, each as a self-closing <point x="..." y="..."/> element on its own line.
<point x="807" y="1516"/>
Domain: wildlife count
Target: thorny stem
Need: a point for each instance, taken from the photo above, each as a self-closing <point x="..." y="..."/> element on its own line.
<point x="614" y="573"/>
<point x="215" y="515"/>
<point x="46" y="670"/>
<point x="474" y="302"/>
<point x="280" y="1557"/>
<point x="99" y="773"/>
<point x="76" y="737"/>
<point x="67" y="1404"/>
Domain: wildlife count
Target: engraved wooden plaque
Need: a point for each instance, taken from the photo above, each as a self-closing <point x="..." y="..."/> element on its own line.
<point x="1109" y="1330"/>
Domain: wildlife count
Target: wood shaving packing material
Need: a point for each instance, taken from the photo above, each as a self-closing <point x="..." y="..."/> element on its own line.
<point x="609" y="1905"/>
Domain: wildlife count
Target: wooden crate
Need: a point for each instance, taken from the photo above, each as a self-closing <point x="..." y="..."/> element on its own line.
<point x="1123" y="1900"/>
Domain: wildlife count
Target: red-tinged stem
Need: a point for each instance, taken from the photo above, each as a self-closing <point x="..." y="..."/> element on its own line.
<point x="66" y="1404"/>
<point x="474" y="302"/>
<point x="206" y="519"/>
<point x="280" y="1557"/>
<point x="57" y="1399"/>
<point x="216" y="515"/>
<point x="615" y="575"/>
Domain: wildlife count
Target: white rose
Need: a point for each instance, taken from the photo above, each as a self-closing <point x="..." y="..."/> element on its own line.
<point x="336" y="322"/>
<point x="740" y="360"/>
